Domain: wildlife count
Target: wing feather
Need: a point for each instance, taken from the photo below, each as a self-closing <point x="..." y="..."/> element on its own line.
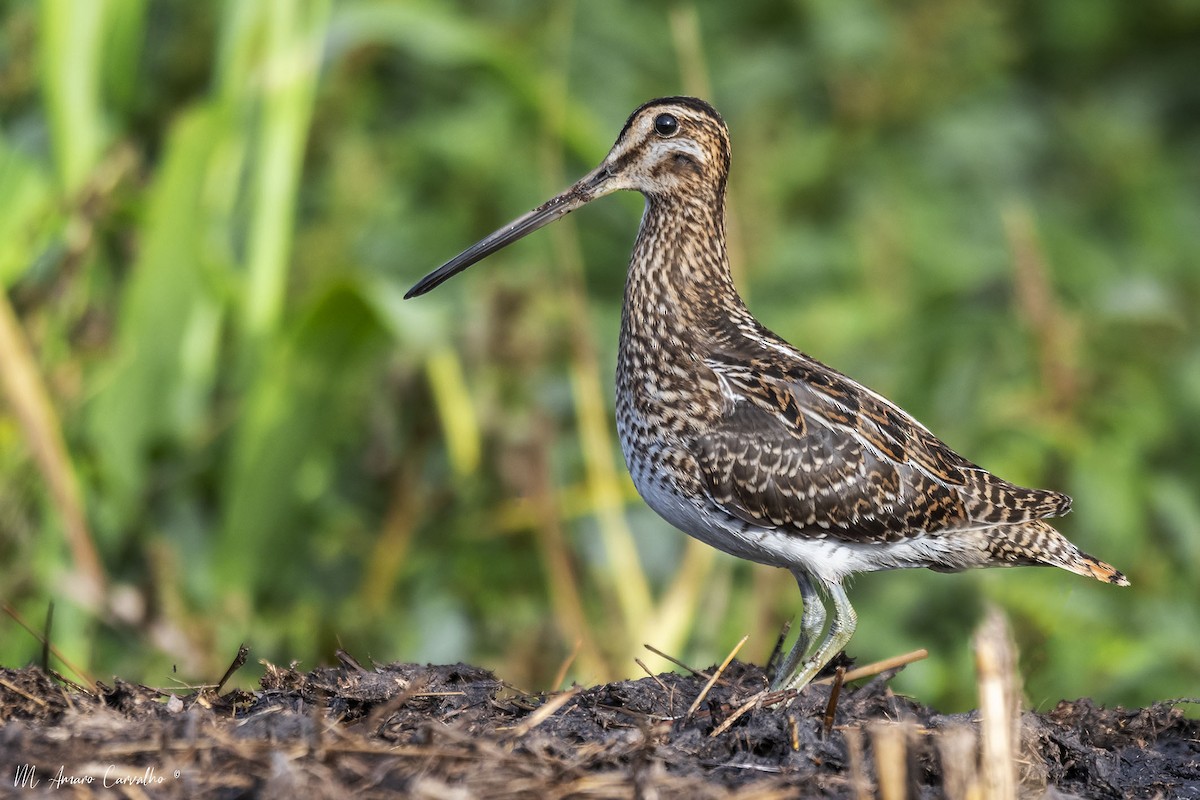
<point x="806" y="449"/>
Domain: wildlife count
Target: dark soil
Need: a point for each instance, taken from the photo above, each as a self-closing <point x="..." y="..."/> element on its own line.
<point x="459" y="732"/>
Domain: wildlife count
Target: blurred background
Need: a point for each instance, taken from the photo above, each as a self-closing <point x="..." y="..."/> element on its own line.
<point x="220" y="423"/>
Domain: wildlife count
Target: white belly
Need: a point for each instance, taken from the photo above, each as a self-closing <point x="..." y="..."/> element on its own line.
<point x="826" y="558"/>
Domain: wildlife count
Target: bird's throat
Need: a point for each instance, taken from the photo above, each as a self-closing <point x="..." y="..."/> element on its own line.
<point x="679" y="281"/>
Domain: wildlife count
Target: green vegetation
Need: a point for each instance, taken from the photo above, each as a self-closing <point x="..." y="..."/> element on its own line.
<point x="220" y="423"/>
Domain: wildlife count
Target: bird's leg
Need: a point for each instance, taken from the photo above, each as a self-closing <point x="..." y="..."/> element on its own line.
<point x="840" y="631"/>
<point x="813" y="619"/>
<point x="811" y="622"/>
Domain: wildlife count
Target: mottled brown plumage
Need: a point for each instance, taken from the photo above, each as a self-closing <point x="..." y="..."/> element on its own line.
<point x="737" y="438"/>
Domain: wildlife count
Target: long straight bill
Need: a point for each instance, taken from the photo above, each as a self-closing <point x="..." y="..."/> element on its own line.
<point x="556" y="208"/>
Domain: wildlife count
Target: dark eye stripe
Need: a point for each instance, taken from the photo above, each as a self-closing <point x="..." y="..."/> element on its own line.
<point x="666" y="125"/>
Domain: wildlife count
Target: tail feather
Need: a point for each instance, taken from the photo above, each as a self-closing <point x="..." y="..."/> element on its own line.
<point x="1090" y="567"/>
<point x="1032" y="543"/>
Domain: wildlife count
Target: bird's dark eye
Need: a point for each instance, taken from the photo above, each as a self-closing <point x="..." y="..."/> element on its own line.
<point x="666" y="125"/>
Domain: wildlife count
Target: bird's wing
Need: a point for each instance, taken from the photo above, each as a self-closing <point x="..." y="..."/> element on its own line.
<point x="802" y="447"/>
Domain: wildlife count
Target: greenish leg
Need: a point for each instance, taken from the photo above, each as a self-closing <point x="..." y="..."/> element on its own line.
<point x="840" y="631"/>
<point x="811" y="622"/>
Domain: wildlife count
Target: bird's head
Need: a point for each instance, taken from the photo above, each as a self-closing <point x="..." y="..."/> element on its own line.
<point x="672" y="146"/>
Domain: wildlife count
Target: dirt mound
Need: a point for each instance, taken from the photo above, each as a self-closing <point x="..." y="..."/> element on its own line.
<point x="458" y="731"/>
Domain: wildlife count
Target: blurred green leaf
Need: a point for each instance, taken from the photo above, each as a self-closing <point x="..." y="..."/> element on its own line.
<point x="72" y="56"/>
<point x="26" y="211"/>
<point x="310" y="393"/>
<point x="159" y="386"/>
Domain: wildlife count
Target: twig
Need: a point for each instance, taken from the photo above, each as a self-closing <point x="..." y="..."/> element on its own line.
<point x="713" y="680"/>
<point x="646" y="669"/>
<point x="316" y="739"/>
<point x="670" y="690"/>
<point x="784" y="696"/>
<point x="545" y="710"/>
<point x="46" y="636"/>
<point x="676" y="661"/>
<point x="182" y="684"/>
<point x="93" y="691"/>
<point x="879" y="666"/>
<point x="22" y="692"/>
<point x="12" y="612"/>
<point x="995" y="665"/>
<point x="517" y="690"/>
<point x="736" y="715"/>
<point x="70" y="703"/>
<point x="640" y="716"/>
<point x="561" y="675"/>
<point x="959" y="754"/>
<point x="858" y="772"/>
<point x="348" y="661"/>
<point x="24" y="386"/>
<point x="380" y="713"/>
<point x="831" y="707"/>
<point x="777" y="652"/>
<point x="239" y="661"/>
<point x="890" y="743"/>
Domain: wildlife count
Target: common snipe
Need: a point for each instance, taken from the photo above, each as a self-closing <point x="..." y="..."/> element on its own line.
<point x="737" y="438"/>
